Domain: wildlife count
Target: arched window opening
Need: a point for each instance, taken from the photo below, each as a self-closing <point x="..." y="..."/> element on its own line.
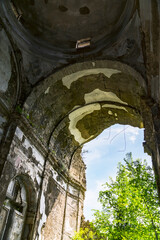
<point x="18" y="211"/>
<point x="13" y="211"/>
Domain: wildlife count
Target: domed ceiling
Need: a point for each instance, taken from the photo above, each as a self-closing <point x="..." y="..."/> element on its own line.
<point x="62" y="23"/>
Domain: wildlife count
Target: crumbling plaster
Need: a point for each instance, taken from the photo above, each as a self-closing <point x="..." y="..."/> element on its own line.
<point x="54" y="98"/>
<point x="69" y="79"/>
<point x="27" y="160"/>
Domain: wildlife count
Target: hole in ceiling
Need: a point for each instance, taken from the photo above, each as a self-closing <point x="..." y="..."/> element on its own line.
<point x="63" y="8"/>
<point x="84" y="10"/>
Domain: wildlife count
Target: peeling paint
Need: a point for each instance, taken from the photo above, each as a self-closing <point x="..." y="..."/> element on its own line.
<point x="19" y="133"/>
<point x="42" y="212"/>
<point x="110" y="112"/>
<point x="21" y="157"/>
<point x="76" y="116"/>
<point x="99" y="96"/>
<point x="61" y="183"/>
<point x="35" y="153"/>
<point x="69" y="79"/>
<point x="114" y="106"/>
<point x="21" y="161"/>
<point x="72" y="190"/>
<point x="141" y="125"/>
<point x="47" y="90"/>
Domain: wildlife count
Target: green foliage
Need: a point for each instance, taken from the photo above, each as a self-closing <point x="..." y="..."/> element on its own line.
<point x="130" y="204"/>
<point x="22" y="111"/>
<point x="89" y="228"/>
<point x="19" y="109"/>
<point x="84" y="234"/>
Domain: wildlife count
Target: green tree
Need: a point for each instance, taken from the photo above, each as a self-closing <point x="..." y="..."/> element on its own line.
<point x="85" y="233"/>
<point x="130" y="204"/>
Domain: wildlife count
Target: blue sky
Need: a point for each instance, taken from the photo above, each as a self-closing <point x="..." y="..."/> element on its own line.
<point x="102" y="155"/>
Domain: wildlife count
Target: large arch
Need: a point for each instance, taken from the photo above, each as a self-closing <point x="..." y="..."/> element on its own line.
<point x="75" y="104"/>
<point x="61" y="95"/>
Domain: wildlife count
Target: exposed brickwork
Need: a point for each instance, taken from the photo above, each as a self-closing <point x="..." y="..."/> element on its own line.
<point x="54" y="98"/>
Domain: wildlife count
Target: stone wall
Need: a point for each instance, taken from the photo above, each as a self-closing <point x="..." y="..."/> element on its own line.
<point x="58" y="202"/>
<point x="54" y="97"/>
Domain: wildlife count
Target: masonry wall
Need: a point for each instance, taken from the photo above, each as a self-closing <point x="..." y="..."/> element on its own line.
<point x="49" y="163"/>
<point x="61" y="206"/>
<point x="58" y="202"/>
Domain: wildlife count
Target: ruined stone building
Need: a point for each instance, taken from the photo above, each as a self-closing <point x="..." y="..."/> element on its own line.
<point x="68" y="70"/>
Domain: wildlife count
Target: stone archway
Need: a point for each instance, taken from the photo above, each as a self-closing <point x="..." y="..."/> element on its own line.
<point x="75" y="104"/>
<point x="72" y="107"/>
<point x="61" y="96"/>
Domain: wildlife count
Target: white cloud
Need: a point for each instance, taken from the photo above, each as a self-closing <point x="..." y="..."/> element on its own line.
<point x="111" y="134"/>
<point x="100" y="154"/>
<point x="97" y="142"/>
<point x="91" y="156"/>
<point x="91" y="199"/>
<point x="132" y="138"/>
<point x="132" y="134"/>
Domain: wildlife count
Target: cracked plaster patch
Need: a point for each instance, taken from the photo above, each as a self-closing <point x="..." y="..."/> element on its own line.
<point x="43" y="215"/>
<point x="110" y="112"/>
<point x="69" y="79"/>
<point x="62" y="184"/>
<point x="76" y="116"/>
<point x="99" y="96"/>
<point x="95" y="96"/>
<point x="114" y="106"/>
<point x="47" y="90"/>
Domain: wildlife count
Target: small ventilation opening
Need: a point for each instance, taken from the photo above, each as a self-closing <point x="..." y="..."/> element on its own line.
<point x="83" y="43"/>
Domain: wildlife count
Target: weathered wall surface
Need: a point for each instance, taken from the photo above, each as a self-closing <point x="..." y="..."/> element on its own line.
<point x="26" y="162"/>
<point x="9" y="88"/>
<point x="59" y="206"/>
<point x="25" y="159"/>
<point x="60" y="201"/>
<point x="55" y="97"/>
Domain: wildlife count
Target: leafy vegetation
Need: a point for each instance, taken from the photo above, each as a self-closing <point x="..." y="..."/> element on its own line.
<point x="130" y="206"/>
